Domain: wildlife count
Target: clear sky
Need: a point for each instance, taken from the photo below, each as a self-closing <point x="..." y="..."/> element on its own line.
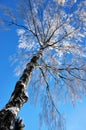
<point x="75" y="116"/>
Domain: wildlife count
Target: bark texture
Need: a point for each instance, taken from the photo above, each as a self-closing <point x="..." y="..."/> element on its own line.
<point x="19" y="96"/>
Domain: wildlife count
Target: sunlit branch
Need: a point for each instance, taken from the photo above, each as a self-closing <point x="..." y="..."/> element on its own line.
<point x="48" y="27"/>
<point x="44" y="36"/>
<point x="55" y="31"/>
<point x="34" y="22"/>
<point x="19" y="25"/>
<point x="39" y="34"/>
<point x="60" y="40"/>
<point x="24" y="27"/>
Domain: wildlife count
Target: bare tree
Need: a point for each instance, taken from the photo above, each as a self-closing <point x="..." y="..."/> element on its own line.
<point x="52" y="46"/>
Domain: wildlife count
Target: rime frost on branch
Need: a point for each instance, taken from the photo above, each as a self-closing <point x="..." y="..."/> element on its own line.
<point x="20" y="32"/>
<point x="62" y="2"/>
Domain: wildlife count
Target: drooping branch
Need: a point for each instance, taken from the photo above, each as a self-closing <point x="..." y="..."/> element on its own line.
<point x="48" y="92"/>
<point x="51" y="108"/>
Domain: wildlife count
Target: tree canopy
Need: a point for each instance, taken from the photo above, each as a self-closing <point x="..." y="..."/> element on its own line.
<point x="56" y="29"/>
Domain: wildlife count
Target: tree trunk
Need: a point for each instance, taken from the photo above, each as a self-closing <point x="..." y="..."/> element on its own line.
<point x="19" y="96"/>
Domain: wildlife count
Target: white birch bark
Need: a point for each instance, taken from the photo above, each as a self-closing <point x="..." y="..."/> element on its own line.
<point x="19" y="96"/>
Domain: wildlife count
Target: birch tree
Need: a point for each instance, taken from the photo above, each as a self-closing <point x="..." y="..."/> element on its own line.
<point x="52" y="55"/>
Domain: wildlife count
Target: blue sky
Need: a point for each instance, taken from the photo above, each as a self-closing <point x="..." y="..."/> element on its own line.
<point x="75" y="116"/>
